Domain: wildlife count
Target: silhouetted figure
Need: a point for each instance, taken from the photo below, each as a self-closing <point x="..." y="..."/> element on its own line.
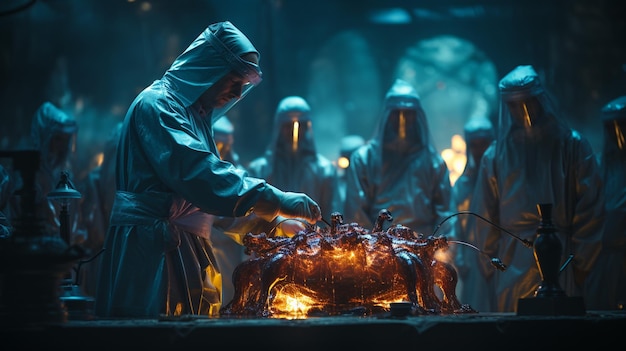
<point x="478" y="134"/>
<point x="53" y="134"/>
<point x="291" y="161"/>
<point x="607" y="284"/>
<point x="537" y="158"/>
<point x="398" y="169"/>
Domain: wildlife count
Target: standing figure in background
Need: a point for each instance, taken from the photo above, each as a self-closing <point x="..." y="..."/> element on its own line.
<point x="53" y="134"/>
<point x="349" y="143"/>
<point x="98" y="201"/>
<point x="399" y="169"/>
<point x="478" y="134"/>
<point x="537" y="158"/>
<point x="228" y="252"/>
<point x="607" y="284"/>
<point x="170" y="181"/>
<point x="291" y="161"/>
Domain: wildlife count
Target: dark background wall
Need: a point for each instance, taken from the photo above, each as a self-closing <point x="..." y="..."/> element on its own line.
<point x="93" y="56"/>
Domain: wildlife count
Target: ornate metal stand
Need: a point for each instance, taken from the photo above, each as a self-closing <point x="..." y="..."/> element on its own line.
<point x="550" y="299"/>
<point x="78" y="305"/>
<point x="32" y="262"/>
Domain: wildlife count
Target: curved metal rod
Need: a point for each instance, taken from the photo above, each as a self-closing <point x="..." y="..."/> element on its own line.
<point x="527" y="243"/>
<point x="495" y="261"/>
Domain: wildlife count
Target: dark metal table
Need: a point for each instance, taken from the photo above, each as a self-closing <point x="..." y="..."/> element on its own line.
<point x="481" y="331"/>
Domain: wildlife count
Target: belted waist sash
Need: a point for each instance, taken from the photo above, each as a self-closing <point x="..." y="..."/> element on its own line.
<point x="152" y="207"/>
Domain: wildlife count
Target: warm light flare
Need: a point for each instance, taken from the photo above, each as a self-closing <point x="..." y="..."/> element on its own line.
<point x="619" y="134"/>
<point x="458" y="164"/>
<point x="220" y="148"/>
<point x="344" y="268"/>
<point x="402" y="123"/>
<point x="98" y="159"/>
<point x="455" y="157"/>
<point x="343" y="162"/>
<point x="527" y="117"/>
<point x="458" y="144"/>
<point x="444" y="256"/>
<point x="292" y="302"/>
<point x="295" y="131"/>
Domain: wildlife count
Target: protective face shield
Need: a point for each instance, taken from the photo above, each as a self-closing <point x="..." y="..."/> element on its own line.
<point x="293" y="134"/>
<point x="246" y="65"/>
<point x="402" y="130"/>
<point x="293" y="119"/>
<point x="527" y="113"/>
<point x="615" y="134"/>
<point x="251" y="78"/>
<point x="249" y="81"/>
<point x="405" y="127"/>
<point x="614" y="125"/>
<point x="525" y="108"/>
<point x="219" y="51"/>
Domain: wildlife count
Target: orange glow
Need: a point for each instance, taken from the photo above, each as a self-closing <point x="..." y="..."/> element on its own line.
<point x="527" y="117"/>
<point x="619" y="135"/>
<point x="331" y="271"/>
<point x="296" y="129"/>
<point x="402" y="122"/>
<point x="98" y="159"/>
<point x="343" y="162"/>
<point x="292" y="302"/>
<point x="351" y="270"/>
<point x="220" y="147"/>
<point x="455" y="157"/>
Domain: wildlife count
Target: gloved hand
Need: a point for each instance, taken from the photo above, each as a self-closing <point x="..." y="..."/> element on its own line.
<point x="274" y="202"/>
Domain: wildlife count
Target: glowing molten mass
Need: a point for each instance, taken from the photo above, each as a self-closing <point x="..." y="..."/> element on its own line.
<point x="342" y="270"/>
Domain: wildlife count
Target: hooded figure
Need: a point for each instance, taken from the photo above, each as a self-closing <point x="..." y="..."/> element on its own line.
<point x="224" y="134"/>
<point x="53" y="134"/>
<point x="291" y="161"/>
<point x="536" y="159"/>
<point x="606" y="289"/>
<point x="479" y="134"/>
<point x="170" y="181"/>
<point x="398" y="169"/>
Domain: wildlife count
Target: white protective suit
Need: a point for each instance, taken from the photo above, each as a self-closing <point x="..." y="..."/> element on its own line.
<point x="398" y="169"/>
<point x="291" y="161"/>
<point x="606" y="289"/>
<point x="170" y="181"/>
<point x="479" y="133"/>
<point x="536" y="159"/>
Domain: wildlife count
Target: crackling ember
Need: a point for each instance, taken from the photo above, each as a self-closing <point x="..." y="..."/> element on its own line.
<point x="344" y="269"/>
